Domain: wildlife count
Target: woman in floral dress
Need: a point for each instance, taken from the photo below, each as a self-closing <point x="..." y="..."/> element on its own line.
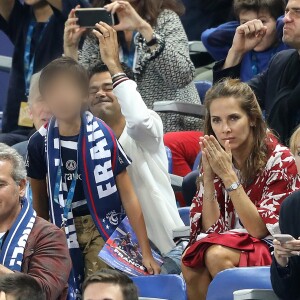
<point x="246" y="174"/>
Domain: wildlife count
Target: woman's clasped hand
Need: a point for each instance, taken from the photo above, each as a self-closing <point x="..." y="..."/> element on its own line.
<point x="218" y="159"/>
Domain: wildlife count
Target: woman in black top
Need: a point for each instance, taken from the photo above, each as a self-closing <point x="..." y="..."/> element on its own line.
<point x="285" y="269"/>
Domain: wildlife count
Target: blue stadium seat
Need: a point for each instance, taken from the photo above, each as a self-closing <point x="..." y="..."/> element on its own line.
<point x="228" y="281"/>
<point x="184" y="213"/>
<point x="202" y="87"/>
<point x="189" y="187"/>
<point x="197" y="161"/>
<point x="170" y="161"/>
<point x="169" y="287"/>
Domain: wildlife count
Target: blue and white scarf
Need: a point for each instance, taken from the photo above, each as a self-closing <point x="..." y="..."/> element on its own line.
<point x="13" y="246"/>
<point x="97" y="154"/>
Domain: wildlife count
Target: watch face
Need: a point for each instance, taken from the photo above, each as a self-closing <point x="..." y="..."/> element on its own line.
<point x="234" y="186"/>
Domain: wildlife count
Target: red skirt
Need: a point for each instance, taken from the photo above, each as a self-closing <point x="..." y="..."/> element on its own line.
<point x="254" y="252"/>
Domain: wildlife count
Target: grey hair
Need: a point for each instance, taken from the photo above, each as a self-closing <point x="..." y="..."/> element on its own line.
<point x="34" y="92"/>
<point x="18" y="166"/>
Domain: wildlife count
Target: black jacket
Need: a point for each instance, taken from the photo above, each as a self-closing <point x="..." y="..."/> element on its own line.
<point x="274" y="88"/>
<point x="286" y="283"/>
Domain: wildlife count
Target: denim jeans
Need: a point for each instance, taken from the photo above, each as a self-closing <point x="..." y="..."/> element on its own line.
<point x="172" y="260"/>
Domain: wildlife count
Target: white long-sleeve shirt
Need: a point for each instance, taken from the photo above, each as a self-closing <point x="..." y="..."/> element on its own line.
<point x="142" y="140"/>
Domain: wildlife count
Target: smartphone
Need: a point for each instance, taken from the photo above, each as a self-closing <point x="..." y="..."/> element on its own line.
<point x="88" y="17"/>
<point x="283" y="238"/>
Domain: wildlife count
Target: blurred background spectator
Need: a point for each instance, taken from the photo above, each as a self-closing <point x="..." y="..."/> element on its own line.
<point x="218" y="41"/>
<point x="36" y="30"/>
<point x="38" y="111"/>
<point x="18" y="286"/>
<point x="109" y="284"/>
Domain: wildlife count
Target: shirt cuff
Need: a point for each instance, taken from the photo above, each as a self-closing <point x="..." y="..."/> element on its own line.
<point x="152" y="54"/>
<point x="219" y="73"/>
<point x="284" y="272"/>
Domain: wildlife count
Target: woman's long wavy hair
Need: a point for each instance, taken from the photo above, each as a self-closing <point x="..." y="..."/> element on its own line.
<point x="234" y="88"/>
<point x="149" y="10"/>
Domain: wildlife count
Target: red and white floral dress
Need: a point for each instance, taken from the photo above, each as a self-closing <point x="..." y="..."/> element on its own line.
<point x="267" y="191"/>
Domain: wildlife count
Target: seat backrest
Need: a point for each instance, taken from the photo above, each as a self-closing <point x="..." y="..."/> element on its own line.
<point x="202" y="87"/>
<point x="189" y="187"/>
<point x="228" y="281"/>
<point x="169" y="287"/>
<point x="197" y="161"/>
<point x="184" y="213"/>
<point x="254" y="294"/>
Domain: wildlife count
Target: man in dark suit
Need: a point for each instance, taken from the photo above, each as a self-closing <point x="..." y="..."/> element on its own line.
<point x="278" y="88"/>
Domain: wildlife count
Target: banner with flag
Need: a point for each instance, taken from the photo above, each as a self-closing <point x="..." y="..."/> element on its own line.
<point x="122" y="251"/>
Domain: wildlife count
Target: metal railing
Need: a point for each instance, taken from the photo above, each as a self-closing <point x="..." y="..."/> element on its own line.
<point x="5" y="63"/>
<point x="196" y="47"/>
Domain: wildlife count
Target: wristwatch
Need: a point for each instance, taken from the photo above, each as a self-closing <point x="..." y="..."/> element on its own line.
<point x="233" y="187"/>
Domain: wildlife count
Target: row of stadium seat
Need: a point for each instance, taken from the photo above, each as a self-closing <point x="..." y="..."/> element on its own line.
<point x="232" y="284"/>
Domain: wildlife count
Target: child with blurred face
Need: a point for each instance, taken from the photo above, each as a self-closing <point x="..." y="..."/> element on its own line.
<point x="85" y="169"/>
<point x="65" y="94"/>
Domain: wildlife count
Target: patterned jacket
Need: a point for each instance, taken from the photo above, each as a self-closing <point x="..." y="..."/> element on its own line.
<point x="164" y="74"/>
<point x="46" y="258"/>
<point x="268" y="190"/>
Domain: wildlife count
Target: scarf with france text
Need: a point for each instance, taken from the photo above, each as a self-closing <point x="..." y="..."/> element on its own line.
<point x="12" y="249"/>
<point x="97" y="154"/>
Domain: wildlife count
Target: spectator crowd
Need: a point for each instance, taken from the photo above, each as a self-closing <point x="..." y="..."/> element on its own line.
<point x="82" y="144"/>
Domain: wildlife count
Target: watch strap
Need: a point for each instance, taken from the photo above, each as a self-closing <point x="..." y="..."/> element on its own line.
<point x="153" y="41"/>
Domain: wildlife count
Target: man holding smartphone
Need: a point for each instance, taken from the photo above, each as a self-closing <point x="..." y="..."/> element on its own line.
<point x="114" y="98"/>
<point x="285" y="269"/>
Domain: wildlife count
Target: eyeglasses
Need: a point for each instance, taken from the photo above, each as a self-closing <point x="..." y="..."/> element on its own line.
<point x="293" y="13"/>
